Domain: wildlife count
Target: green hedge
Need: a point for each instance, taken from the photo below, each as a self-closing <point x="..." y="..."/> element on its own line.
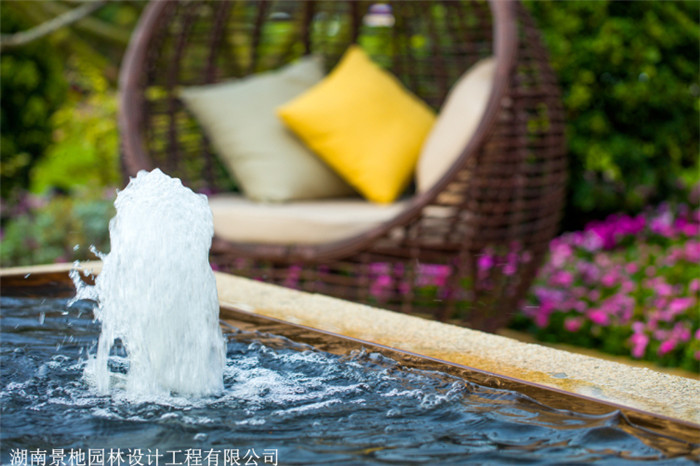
<point x="32" y="89"/>
<point x="629" y="76"/>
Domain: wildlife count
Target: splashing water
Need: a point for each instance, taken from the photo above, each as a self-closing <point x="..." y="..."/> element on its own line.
<point x="157" y="295"/>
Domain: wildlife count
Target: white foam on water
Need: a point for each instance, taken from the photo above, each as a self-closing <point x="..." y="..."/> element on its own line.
<point x="157" y="293"/>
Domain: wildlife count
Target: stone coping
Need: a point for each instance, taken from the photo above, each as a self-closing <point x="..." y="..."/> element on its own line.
<point x="635" y="387"/>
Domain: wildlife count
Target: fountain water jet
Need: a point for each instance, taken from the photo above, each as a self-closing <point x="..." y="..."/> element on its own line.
<point x="157" y="293"/>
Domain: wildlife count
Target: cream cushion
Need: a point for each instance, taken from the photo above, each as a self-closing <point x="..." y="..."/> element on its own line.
<point x="267" y="160"/>
<point x="456" y="123"/>
<point x="239" y="219"/>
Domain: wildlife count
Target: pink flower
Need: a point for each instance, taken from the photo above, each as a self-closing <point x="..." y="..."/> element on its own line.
<point x="381" y="287"/>
<point x="599" y="317"/>
<point x="594" y="295"/>
<point x="666" y="347"/>
<point x="573" y="324"/>
<point x="293" y="277"/>
<point x="383" y="281"/>
<point x="560" y="253"/>
<point x="589" y="272"/>
<point x="688" y="229"/>
<point x="664" y="289"/>
<point x="659" y="303"/>
<point x="485" y="262"/>
<point x="542" y="319"/>
<point x="549" y="296"/>
<point x="691" y="230"/>
<point x="562" y="278"/>
<point x="628" y="286"/>
<point x="631" y="268"/>
<point x="692" y="251"/>
<point x="678" y="305"/>
<point x="602" y="260"/>
<point x="542" y="313"/>
<point x="591" y="242"/>
<point x="665" y="316"/>
<point x="432" y="275"/>
<point x="653" y="323"/>
<point x="662" y="225"/>
<point x="639" y="343"/>
<point x="681" y="332"/>
<point x="609" y="279"/>
<point x="694" y="285"/>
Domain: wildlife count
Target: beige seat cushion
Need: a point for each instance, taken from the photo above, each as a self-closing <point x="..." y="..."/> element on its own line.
<point x="267" y="160"/>
<point x="456" y="123"/>
<point x="239" y="219"/>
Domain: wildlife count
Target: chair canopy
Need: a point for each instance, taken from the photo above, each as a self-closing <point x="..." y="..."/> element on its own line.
<point x="467" y="249"/>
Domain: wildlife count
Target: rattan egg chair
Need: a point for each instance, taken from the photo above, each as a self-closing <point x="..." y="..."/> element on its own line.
<point x="480" y="232"/>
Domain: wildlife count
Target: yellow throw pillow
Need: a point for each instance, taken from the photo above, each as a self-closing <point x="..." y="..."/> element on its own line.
<point x="364" y="124"/>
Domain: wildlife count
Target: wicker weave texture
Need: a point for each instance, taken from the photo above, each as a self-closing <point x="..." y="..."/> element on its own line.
<point x="466" y="250"/>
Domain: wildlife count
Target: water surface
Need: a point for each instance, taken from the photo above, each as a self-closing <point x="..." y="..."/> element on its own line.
<point x="281" y="397"/>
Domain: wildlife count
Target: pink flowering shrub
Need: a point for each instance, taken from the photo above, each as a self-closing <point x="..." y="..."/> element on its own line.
<point x="627" y="285"/>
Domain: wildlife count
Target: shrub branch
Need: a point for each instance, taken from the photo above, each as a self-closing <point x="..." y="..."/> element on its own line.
<point x="8" y="41"/>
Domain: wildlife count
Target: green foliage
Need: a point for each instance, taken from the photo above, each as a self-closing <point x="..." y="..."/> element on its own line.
<point x="85" y="151"/>
<point x="49" y="231"/>
<point x="629" y="75"/>
<point x="32" y="88"/>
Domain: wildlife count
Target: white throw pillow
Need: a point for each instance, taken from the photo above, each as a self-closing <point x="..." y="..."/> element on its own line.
<point x="268" y="161"/>
<point x="458" y="119"/>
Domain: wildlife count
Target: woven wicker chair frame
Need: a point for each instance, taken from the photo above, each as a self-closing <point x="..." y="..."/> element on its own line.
<point x="466" y="250"/>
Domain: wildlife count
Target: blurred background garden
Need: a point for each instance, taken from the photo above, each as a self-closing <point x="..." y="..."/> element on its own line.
<point x="623" y="276"/>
